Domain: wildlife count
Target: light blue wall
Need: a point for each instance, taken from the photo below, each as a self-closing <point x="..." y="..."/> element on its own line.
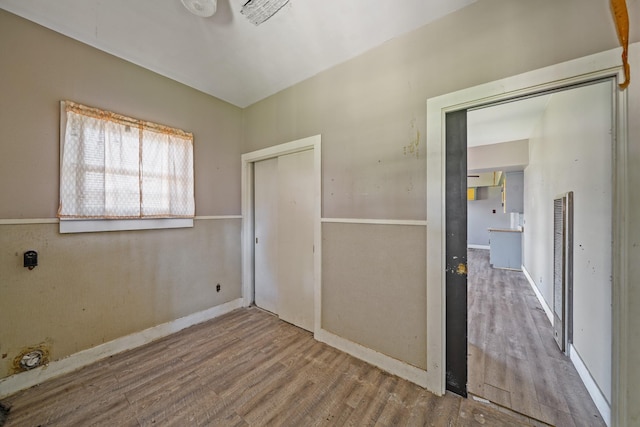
<point x="515" y="192"/>
<point x="480" y="215"/>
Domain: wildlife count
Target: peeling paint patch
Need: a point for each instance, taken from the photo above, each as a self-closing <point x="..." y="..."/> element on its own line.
<point x="42" y="348"/>
<point x="462" y="269"/>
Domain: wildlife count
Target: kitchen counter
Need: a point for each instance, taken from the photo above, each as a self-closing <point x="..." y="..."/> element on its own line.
<point x="505" y="248"/>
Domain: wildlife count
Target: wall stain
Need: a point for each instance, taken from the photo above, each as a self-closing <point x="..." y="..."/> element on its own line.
<point x="413" y="148"/>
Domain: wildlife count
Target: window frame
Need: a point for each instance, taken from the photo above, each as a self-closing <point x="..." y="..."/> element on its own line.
<point x="86" y="225"/>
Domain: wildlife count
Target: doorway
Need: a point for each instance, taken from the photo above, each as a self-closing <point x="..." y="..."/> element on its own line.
<point x="281" y="244"/>
<point x="571" y="149"/>
<point x="601" y="65"/>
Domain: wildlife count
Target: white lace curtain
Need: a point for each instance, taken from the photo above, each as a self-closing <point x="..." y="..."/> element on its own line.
<point x="116" y="167"/>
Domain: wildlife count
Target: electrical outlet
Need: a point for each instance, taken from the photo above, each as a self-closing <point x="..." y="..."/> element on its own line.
<point x="218" y="287"/>
<point x="31" y="259"/>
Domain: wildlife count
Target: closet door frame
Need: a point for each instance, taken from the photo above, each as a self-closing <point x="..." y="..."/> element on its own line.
<point x="247" y="184"/>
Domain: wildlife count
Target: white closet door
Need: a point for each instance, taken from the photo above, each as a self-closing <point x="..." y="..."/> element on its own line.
<point x="266" y="234"/>
<point x="295" y="234"/>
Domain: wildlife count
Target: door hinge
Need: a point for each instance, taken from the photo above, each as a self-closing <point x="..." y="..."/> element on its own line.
<point x="256" y="240"/>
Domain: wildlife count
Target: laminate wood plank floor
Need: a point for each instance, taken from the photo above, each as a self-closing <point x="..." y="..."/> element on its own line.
<point x="246" y="368"/>
<point x="513" y="360"/>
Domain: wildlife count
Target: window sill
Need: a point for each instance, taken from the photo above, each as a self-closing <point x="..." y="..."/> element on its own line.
<point x="97" y="225"/>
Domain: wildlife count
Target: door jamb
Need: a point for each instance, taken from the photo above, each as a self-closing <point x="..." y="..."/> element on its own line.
<point x="601" y="65"/>
<point x="247" y="249"/>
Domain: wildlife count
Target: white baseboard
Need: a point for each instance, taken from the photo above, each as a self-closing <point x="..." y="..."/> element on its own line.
<point x="487" y="247"/>
<point x="594" y="391"/>
<point x="393" y="366"/>
<point x="24" y="380"/>
<point x="543" y="303"/>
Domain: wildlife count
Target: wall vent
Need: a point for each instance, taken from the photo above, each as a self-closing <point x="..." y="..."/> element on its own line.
<point x="258" y="11"/>
<point x="563" y="270"/>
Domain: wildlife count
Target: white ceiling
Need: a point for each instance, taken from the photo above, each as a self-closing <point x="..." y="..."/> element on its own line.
<point x="226" y="56"/>
<point x="511" y="121"/>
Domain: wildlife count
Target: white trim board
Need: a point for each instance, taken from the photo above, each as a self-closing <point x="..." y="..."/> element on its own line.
<point x="598" y="66"/>
<point x="99" y="225"/>
<point x="386" y="363"/>
<point x="594" y="391"/>
<point x="24" y="380"/>
<point x="375" y="221"/>
<point x="486" y="247"/>
<point x="19" y="221"/>
<point x="310" y="143"/>
<point x="199" y="218"/>
<point x="543" y="303"/>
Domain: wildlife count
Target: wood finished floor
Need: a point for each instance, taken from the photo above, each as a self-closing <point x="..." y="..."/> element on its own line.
<point x="246" y="368"/>
<point x="512" y="355"/>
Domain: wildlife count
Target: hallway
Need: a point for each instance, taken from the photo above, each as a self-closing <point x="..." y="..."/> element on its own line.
<point x="513" y="360"/>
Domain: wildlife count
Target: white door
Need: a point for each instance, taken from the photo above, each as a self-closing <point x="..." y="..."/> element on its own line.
<point x="295" y="233"/>
<point x="284" y="206"/>
<point x="266" y="234"/>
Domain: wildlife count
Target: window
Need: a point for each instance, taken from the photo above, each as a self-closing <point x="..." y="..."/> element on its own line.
<point x="121" y="173"/>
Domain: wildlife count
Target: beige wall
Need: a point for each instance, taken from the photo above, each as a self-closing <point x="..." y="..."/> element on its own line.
<point x="92" y="288"/>
<point x="382" y="270"/>
<point x="371" y="114"/>
<point x="39" y="68"/>
<point x="371" y="110"/>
